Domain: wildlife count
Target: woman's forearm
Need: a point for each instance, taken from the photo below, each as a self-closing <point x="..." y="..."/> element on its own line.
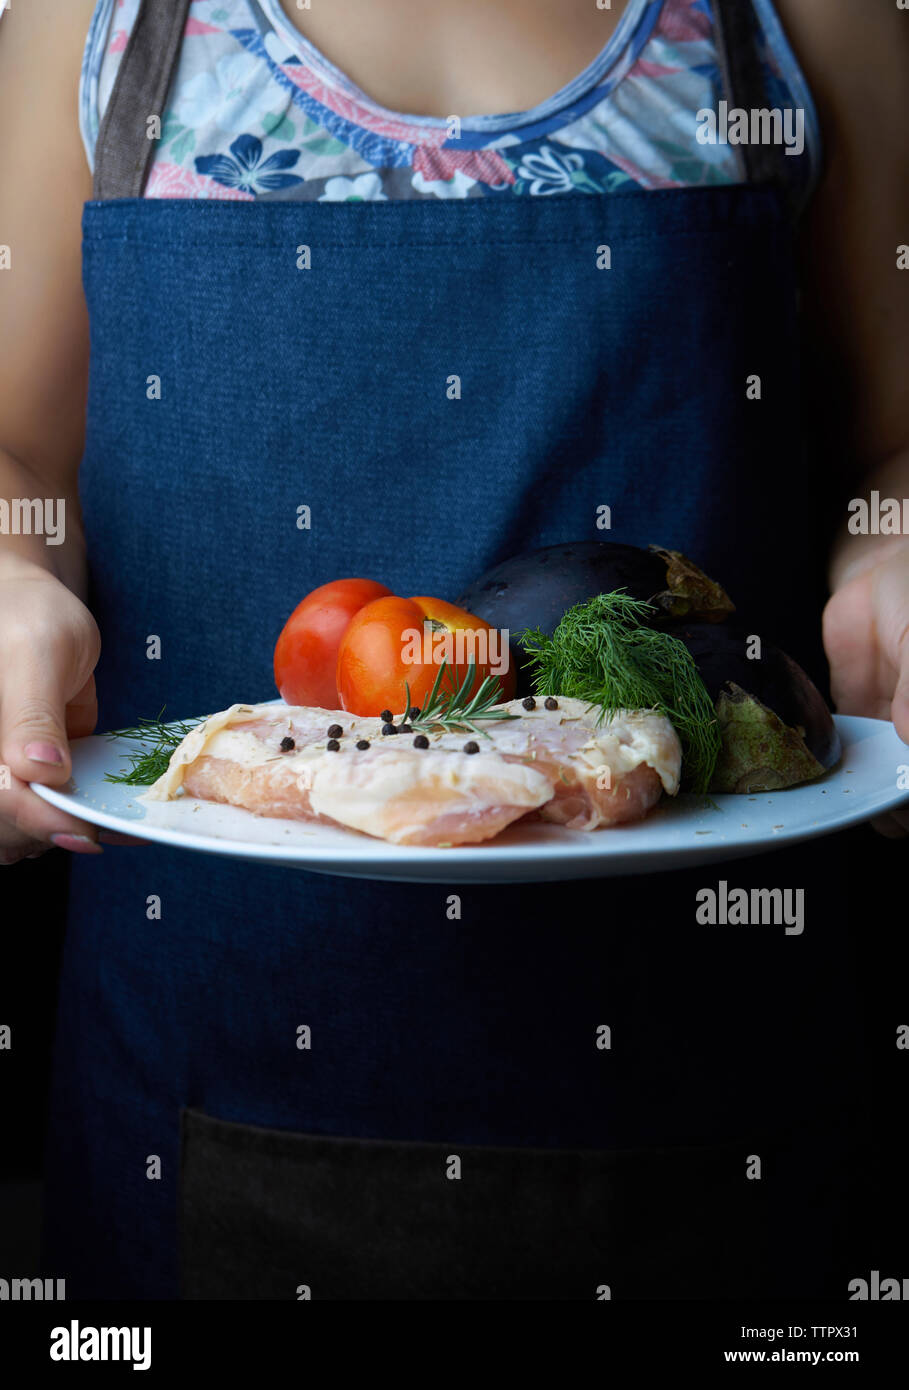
<point x="40" y="525"/>
<point x="869" y="532"/>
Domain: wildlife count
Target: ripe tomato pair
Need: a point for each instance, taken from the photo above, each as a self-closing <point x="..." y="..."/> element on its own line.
<point x="354" y="645"/>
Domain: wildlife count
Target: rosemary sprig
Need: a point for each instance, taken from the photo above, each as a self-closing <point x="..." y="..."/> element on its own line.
<point x="458" y="708"/>
<point x="150" y="763"/>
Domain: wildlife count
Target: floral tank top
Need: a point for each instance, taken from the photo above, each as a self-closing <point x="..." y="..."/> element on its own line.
<point x="256" y="111"/>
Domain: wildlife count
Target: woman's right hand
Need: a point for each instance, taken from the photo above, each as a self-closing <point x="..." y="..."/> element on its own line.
<point x="49" y="646"/>
<point x="49" y="642"/>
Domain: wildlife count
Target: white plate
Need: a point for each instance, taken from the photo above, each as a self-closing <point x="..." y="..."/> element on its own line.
<point x="683" y="832"/>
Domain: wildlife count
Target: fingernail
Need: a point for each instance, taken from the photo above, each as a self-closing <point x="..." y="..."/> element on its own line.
<point x="43" y="753"/>
<point x="78" y="844"/>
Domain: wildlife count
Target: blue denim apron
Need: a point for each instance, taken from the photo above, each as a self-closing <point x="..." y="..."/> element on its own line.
<point x="328" y="387"/>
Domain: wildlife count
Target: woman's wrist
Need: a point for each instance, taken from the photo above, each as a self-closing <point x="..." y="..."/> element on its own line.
<point x="863" y="541"/>
<point x="850" y="560"/>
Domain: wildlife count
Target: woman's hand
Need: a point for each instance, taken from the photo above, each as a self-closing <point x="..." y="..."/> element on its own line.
<point x="49" y="644"/>
<point x="866" y="634"/>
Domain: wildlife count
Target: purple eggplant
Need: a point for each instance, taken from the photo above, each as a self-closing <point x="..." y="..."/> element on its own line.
<point x="535" y="589"/>
<point x="777" y="730"/>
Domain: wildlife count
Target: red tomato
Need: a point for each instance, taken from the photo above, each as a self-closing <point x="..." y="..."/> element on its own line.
<point x="306" y="654"/>
<point x="393" y="641"/>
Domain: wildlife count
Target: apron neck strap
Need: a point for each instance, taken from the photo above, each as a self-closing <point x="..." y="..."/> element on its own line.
<point x="737" y="42"/>
<point x="124" y="149"/>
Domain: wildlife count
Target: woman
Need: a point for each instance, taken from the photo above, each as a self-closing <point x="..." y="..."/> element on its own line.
<point x="284" y="269"/>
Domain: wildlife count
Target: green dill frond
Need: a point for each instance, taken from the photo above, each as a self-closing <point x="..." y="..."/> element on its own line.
<point x="603" y="651"/>
<point x="150" y="762"/>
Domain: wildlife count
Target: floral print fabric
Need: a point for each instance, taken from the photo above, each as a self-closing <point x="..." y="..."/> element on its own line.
<point x="255" y="111"/>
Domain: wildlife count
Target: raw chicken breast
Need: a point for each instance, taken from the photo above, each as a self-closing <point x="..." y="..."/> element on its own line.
<point x="556" y="764"/>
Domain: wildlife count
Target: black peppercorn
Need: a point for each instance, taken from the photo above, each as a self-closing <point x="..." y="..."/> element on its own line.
<point x="421" y="741"/>
<point x="388" y="727"/>
<point x="335" y="731"/>
<point x="363" y="744"/>
<point x="386" y="716"/>
<point x="413" y="712"/>
<point x="405" y="728"/>
<point x="287" y="744"/>
<point x="332" y="745"/>
<point x="550" y="703"/>
<point x="529" y="702"/>
<point x="471" y="747"/>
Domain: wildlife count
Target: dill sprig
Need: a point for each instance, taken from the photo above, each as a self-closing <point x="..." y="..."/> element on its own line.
<point x="150" y="762"/>
<point x="458" y="708"/>
<point x="604" y="652"/>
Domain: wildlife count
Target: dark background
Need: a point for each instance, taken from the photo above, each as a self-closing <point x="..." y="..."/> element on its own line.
<point x="32" y="905"/>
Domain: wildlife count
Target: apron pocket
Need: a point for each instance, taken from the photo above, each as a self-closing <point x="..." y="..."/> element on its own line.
<point x="269" y="1214"/>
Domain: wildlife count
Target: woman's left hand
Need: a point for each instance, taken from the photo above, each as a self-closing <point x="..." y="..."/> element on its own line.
<point x="866" y="636"/>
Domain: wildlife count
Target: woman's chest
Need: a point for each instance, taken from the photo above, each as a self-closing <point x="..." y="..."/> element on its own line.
<point x="431" y="58"/>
